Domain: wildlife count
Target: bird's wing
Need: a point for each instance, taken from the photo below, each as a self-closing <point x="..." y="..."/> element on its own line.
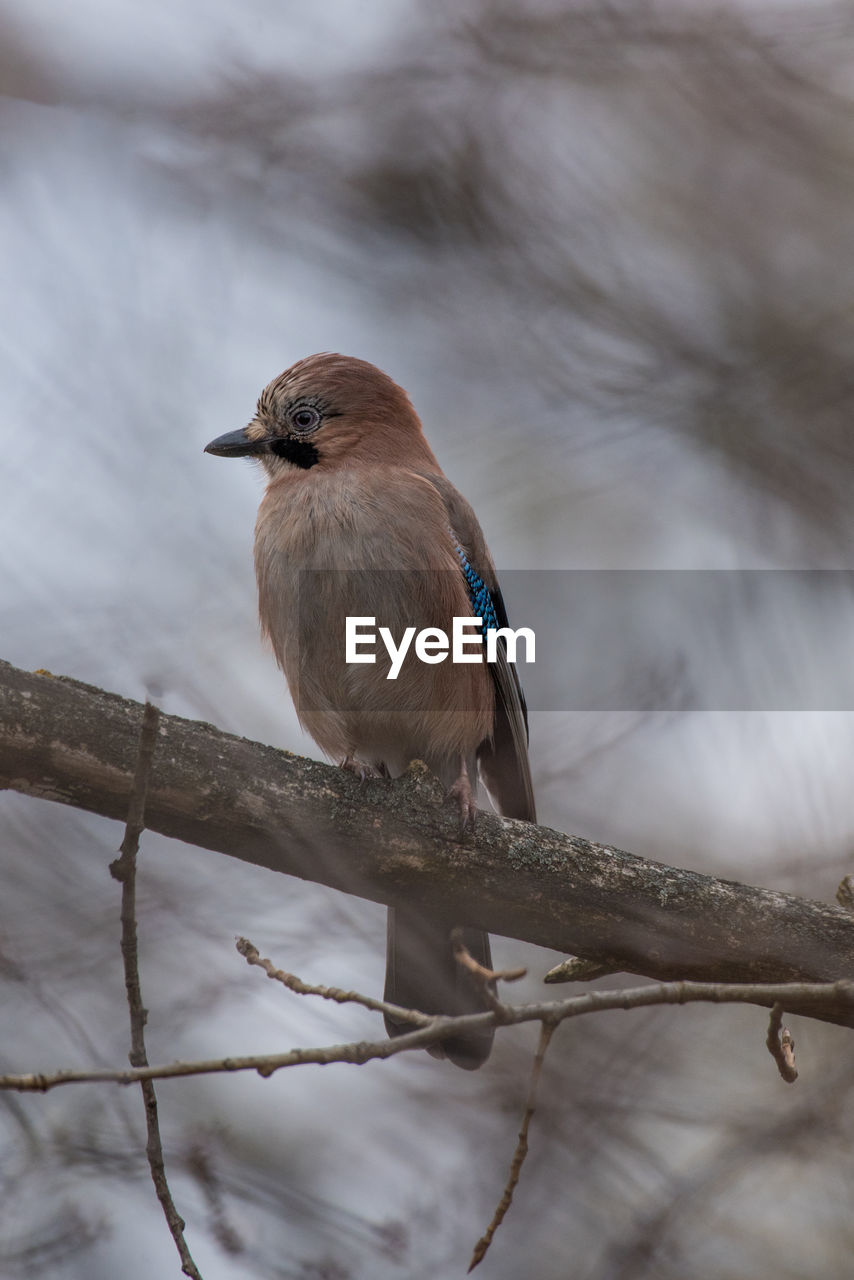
<point x="503" y="758"/>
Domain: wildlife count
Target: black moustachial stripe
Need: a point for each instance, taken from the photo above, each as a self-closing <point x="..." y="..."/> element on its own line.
<point x="302" y="453"/>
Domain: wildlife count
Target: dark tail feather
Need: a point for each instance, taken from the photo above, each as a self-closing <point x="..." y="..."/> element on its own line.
<point x="421" y="973"/>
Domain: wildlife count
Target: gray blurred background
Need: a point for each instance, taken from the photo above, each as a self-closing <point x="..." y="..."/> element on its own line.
<point x="609" y="250"/>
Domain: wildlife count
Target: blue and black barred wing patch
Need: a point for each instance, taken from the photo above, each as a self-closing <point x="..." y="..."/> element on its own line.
<point x="503" y="759"/>
<point x="482" y="603"/>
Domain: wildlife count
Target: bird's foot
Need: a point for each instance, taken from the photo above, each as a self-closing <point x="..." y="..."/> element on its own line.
<point x="363" y="771"/>
<point x="463" y="795"/>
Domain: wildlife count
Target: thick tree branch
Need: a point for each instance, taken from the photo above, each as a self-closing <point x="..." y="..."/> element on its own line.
<point x="69" y="742"/>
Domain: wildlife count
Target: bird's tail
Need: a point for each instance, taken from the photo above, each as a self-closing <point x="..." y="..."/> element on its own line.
<point x="422" y="973"/>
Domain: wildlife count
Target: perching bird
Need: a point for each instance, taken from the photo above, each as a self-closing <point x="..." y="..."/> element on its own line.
<point x="358" y="520"/>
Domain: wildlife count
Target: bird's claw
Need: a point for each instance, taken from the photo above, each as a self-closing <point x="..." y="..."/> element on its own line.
<point x="362" y="771"/>
<point x="463" y="795"/>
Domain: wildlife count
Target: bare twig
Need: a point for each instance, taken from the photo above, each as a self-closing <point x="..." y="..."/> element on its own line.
<point x="546" y="1033"/>
<point x="124" y="870"/>
<point x="463" y="956"/>
<point x="781" y="1046"/>
<point x="251" y="954"/>
<point x="577" y="969"/>
<point x="838" y="995"/>
<point x="485" y="980"/>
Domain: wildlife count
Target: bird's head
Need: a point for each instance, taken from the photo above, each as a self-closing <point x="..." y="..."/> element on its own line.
<point x="329" y="410"/>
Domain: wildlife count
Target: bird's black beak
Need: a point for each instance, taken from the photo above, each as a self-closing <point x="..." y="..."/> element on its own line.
<point x="235" y="444"/>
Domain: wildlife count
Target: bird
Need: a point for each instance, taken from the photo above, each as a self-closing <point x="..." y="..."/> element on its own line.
<point x="358" y="520"/>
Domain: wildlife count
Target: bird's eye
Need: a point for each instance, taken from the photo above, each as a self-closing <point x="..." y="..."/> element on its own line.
<point x="305" y="418"/>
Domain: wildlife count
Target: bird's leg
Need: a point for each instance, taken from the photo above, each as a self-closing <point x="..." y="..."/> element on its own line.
<point x="463" y="793"/>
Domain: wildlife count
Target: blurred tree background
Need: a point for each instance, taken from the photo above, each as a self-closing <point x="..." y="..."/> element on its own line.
<point x="609" y="250"/>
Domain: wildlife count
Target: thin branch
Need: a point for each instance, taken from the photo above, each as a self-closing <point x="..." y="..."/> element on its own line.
<point x="546" y="1033"/>
<point x="124" y="870"/>
<point x="484" y="976"/>
<point x="833" y="995"/>
<point x="251" y="954"/>
<point x="485" y="979"/>
<point x="781" y="1046"/>
<point x="576" y="969"/>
